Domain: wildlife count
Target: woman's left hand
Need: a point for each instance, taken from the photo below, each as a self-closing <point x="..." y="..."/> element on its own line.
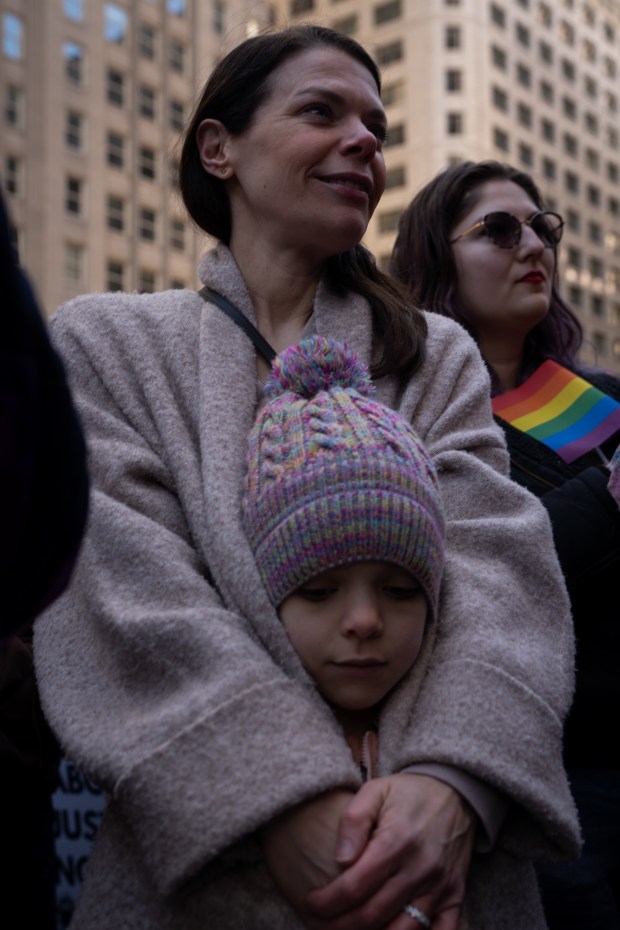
<point x="404" y="840"/>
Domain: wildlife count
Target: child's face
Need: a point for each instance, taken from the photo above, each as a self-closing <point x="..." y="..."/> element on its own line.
<point x="357" y="630"/>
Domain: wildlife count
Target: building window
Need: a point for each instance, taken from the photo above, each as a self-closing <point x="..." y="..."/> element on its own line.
<point x="73" y="9"/>
<point x="524" y="114"/>
<point x="454" y="80"/>
<point x="500" y="99"/>
<point x="590" y="85"/>
<point x="176" y="56"/>
<point x="545" y="15"/>
<point x="613" y="173"/>
<point x="593" y="159"/>
<point x="571" y="146"/>
<point x="12" y="175"/>
<point x="612" y="137"/>
<point x="396" y="135"/>
<point x="567" y="33"/>
<point x="146" y="281"/>
<point x="591" y="123"/>
<point x="74" y="125"/>
<point x="13" y="105"/>
<point x="74" y="195"/>
<point x="115" y="150"/>
<point x="452" y="37"/>
<point x="177" y="234"/>
<point x="74" y="262"/>
<point x="395" y="177"/>
<point x="613" y="205"/>
<point x="523" y="34"/>
<point x="597" y="306"/>
<point x="388" y="222"/>
<point x="596" y="269"/>
<point x="454" y="124"/>
<point x="546" y="91"/>
<point x="176" y="115"/>
<point x="588" y="52"/>
<point x="115" y="276"/>
<point x="549" y="169"/>
<point x="115" y="23"/>
<point x="599" y="341"/>
<point x="499" y="58"/>
<point x="176" y="7"/>
<point x="115" y="214"/>
<point x="146" y="41"/>
<point x="146" y="224"/>
<point x="573" y="221"/>
<point x="611" y="102"/>
<point x="348" y="25"/>
<point x="526" y="155"/>
<point x="546" y="52"/>
<point x="524" y="75"/>
<point x="386" y="54"/>
<point x="571" y="182"/>
<point x="12" y="36"/>
<point x="569" y="107"/>
<point x="73" y="55"/>
<point x="574" y="258"/>
<point x="301" y="6"/>
<point x="500" y="139"/>
<point x="568" y="69"/>
<point x="498" y="16"/>
<point x="146" y="162"/>
<point x="392" y="93"/>
<point x="575" y="296"/>
<point x="146" y="101"/>
<point x="609" y="67"/>
<point x="547" y="129"/>
<point x="219" y="17"/>
<point x="115" y="88"/>
<point x="386" y="12"/>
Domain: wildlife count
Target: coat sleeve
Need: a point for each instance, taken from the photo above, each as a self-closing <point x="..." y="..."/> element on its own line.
<point x="156" y="691"/>
<point x="501" y="677"/>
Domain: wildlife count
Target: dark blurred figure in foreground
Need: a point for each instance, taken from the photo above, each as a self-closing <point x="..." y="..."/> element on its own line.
<point x="43" y="505"/>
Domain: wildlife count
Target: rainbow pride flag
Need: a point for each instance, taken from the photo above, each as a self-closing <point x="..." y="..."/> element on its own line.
<point x="561" y="410"/>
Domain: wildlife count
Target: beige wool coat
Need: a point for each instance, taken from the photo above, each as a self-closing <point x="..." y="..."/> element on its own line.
<point x="165" y="671"/>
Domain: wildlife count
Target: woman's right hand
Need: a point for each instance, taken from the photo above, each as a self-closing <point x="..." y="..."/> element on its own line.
<point x="300" y="846"/>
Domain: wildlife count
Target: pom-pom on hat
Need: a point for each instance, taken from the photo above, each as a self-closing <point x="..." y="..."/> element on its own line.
<point x="336" y="477"/>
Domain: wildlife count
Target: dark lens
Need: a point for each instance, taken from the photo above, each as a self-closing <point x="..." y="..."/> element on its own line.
<point x="503" y="229"/>
<point x="548" y="228"/>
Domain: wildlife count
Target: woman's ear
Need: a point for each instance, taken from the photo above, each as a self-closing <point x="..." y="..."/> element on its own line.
<point x="211" y="138"/>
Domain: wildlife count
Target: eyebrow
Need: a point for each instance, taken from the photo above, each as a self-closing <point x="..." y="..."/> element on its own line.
<point x="335" y="97"/>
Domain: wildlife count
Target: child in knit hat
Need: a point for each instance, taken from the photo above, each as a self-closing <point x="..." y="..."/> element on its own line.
<point x="343" y="513"/>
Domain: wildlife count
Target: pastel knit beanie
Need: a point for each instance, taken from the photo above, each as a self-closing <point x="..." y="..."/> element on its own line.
<point x="336" y="477"/>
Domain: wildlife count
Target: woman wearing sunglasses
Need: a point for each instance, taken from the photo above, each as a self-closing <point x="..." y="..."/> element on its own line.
<point x="477" y="245"/>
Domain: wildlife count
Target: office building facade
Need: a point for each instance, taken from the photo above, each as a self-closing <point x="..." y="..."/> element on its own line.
<point x="96" y="93"/>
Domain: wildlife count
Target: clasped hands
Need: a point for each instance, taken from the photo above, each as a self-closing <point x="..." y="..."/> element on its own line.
<point x="352" y="861"/>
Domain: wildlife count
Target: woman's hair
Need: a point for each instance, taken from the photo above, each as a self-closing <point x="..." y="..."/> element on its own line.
<point x="423" y="258"/>
<point x="237" y="87"/>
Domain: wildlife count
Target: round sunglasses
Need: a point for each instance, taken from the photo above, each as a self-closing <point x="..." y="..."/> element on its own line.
<point x="504" y="229"/>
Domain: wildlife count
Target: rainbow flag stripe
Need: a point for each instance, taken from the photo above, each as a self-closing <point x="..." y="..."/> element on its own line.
<point x="561" y="410"/>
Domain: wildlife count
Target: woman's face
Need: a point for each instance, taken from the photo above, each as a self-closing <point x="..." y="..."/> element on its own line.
<point x="504" y="292"/>
<point x="309" y="171"/>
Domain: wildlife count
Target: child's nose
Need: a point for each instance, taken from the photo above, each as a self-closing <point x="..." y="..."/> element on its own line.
<point x="362" y="618"/>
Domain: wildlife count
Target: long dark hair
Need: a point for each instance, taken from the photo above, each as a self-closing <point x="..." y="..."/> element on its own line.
<point x="237" y="87"/>
<point x="423" y="259"/>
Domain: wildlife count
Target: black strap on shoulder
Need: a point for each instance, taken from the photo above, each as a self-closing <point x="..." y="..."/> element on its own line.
<point x="235" y="314"/>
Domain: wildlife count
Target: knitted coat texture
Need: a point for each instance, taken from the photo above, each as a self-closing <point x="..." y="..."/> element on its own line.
<point x="169" y="680"/>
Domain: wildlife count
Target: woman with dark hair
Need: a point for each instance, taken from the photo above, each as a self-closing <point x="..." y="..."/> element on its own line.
<point x="165" y="670"/>
<point x="477" y="244"/>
